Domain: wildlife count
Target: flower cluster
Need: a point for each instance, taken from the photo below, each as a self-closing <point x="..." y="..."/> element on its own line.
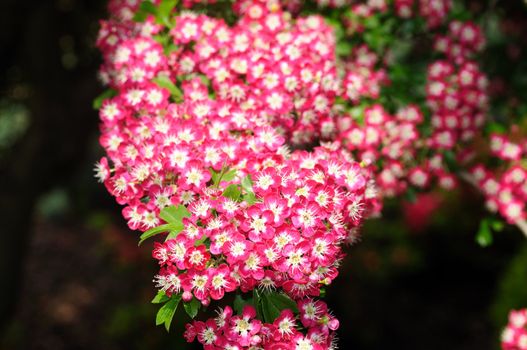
<point x="245" y="331"/>
<point x="205" y="125"/>
<point x="457" y="97"/>
<point x="290" y="238"/>
<point x="393" y="141"/>
<point x="266" y="66"/>
<point x="362" y="80"/>
<point x="434" y="11"/>
<point x="505" y="191"/>
<point x="463" y="40"/>
<point x="505" y="149"/>
<point x="274" y="146"/>
<point x="514" y="336"/>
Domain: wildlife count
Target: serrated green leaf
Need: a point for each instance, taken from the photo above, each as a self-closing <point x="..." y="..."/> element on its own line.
<point x="173" y="214"/>
<point x="484" y="236"/>
<point x="192" y="307"/>
<point x="165" y="82"/>
<point x="98" y="101"/>
<point x="154" y="231"/>
<point x="233" y="192"/>
<point x="167" y="311"/>
<point x="161" y="297"/>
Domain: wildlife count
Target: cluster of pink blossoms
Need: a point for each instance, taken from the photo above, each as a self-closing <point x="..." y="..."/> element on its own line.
<point x="394" y="139"/>
<point x="205" y="125"/>
<point x="433" y="11"/>
<point x="228" y="331"/>
<point x="457" y="97"/>
<point x="290" y="239"/>
<point x="514" y="336"/>
<point x="456" y="88"/>
<point x="462" y="41"/>
<point x="362" y="79"/>
<point x="505" y="149"/>
<point x="266" y="66"/>
<point x="506" y="189"/>
<point x="205" y="122"/>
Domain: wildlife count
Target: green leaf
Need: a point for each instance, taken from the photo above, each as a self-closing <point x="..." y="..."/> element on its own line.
<point x="154" y="231"/>
<point x="258" y="304"/>
<point x="215" y="176"/>
<point x="250" y="198"/>
<point x="337" y="28"/>
<point x="484" y="236"/>
<point x="109" y="93"/>
<point x="247" y="183"/>
<point x="496" y="128"/>
<point x="282" y="301"/>
<point x="269" y="310"/>
<point x="161" y="297"/>
<point x="146" y="8"/>
<point x="240" y="303"/>
<point x="497" y="225"/>
<point x="450" y="160"/>
<point x="165" y="82"/>
<point x="411" y="195"/>
<point x="192" y="307"/>
<point x="164" y="12"/>
<point x="224" y="175"/>
<point x="343" y="48"/>
<point x="173" y="214"/>
<point x="233" y="192"/>
<point x="229" y="175"/>
<point x="167" y="311"/>
<point x="169" y="48"/>
<point x="173" y="233"/>
<point x="274" y="303"/>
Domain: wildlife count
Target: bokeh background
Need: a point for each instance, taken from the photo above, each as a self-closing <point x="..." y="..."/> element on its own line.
<point x="72" y="276"/>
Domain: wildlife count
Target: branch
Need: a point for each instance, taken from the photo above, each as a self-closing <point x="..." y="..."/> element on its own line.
<point x="521" y="224"/>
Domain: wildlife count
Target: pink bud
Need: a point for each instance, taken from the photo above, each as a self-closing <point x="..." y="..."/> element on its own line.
<point x="187" y="296"/>
<point x="333" y="324"/>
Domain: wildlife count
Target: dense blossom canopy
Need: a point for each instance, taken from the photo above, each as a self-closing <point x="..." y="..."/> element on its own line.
<point x="261" y="144"/>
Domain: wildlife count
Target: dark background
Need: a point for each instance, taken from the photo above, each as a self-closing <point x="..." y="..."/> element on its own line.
<point x="72" y="276"/>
